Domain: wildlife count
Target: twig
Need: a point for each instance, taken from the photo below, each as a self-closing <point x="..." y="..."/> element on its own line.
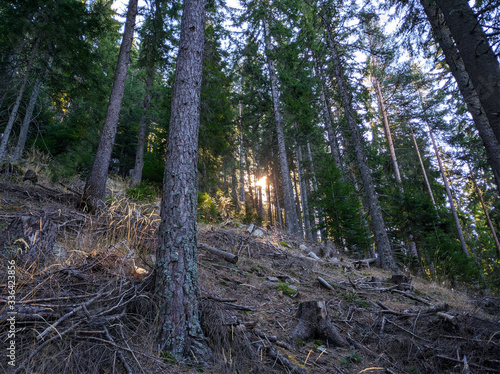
<point x="67" y="315"/>
<point x="43" y="345"/>
<point x="120" y="353"/>
<point x="408" y="331"/>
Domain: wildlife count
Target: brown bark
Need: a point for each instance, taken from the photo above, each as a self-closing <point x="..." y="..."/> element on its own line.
<point x="477" y="55"/>
<point x="229" y="257"/>
<point x="95" y="187"/>
<point x="286" y="184"/>
<point x="459" y="72"/>
<point x="313" y="322"/>
<point x="179" y="330"/>
<point x="381" y="238"/>
<point x="143" y="130"/>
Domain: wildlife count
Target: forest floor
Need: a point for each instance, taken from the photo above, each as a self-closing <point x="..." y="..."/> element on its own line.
<point x="87" y="304"/>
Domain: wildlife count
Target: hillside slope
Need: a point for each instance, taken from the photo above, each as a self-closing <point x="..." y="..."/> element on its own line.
<point x="88" y="305"/>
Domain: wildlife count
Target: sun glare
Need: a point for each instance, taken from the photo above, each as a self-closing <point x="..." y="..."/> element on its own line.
<point x="262" y="182"/>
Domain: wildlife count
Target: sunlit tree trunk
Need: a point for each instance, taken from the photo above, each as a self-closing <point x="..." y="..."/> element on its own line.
<point x="95" y="187"/>
<point x="13" y="113"/>
<point x="298" y="205"/>
<point x="477" y="55"/>
<point x="459" y="72"/>
<point x="386" y="258"/>
<point x="179" y="330"/>
<point x="291" y="219"/>
<point x="23" y="134"/>
<point x="143" y="131"/>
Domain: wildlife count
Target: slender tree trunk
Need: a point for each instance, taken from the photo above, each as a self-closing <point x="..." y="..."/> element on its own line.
<point x="242" y="158"/>
<point x="277" y="197"/>
<point x="303" y="194"/>
<point x="13" y="114"/>
<point x="23" y="134"/>
<point x="423" y="170"/>
<point x="459" y="72"/>
<point x="179" y="328"/>
<point x="95" y="188"/>
<point x="143" y="131"/>
<point x="486" y="214"/>
<point x="298" y="209"/>
<point x="269" y="201"/>
<point x="327" y="119"/>
<point x="449" y="195"/>
<point x="234" y="188"/>
<point x="477" y="55"/>
<point x="291" y="218"/>
<point x="387" y="131"/>
<point x="383" y="244"/>
<point x="314" y="187"/>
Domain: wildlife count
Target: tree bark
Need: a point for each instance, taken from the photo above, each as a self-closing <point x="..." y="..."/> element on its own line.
<point x="459" y="72"/>
<point x="327" y="118"/>
<point x="286" y="184"/>
<point x="95" y="188"/>
<point x="303" y="194"/>
<point x="477" y="55"/>
<point x="143" y="130"/>
<point x="485" y="210"/>
<point x="13" y="114"/>
<point x="431" y="194"/>
<point x="279" y="217"/>
<point x="381" y="238"/>
<point x="449" y="195"/>
<point x="313" y="322"/>
<point x="23" y="134"/>
<point x="179" y="329"/>
<point x="387" y="131"/>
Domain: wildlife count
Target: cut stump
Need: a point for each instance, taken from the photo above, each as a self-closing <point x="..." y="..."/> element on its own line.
<point x="313" y="323"/>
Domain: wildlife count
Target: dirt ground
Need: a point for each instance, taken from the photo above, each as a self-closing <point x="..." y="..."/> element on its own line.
<point x="89" y="306"/>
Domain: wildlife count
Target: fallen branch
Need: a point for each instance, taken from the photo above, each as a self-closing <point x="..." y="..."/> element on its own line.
<point x="229" y="257"/>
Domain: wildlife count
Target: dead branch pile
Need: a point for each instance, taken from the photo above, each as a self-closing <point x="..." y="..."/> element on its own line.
<point x="83" y="318"/>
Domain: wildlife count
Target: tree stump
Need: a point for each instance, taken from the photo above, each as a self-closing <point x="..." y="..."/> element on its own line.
<point x="29" y="240"/>
<point x="314" y="323"/>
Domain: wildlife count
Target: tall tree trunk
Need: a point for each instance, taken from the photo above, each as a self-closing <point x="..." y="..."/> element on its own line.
<point x="277" y="197"/>
<point x="234" y="188"/>
<point x="383" y="244"/>
<point x="298" y="205"/>
<point x="303" y="194"/>
<point x="23" y="134"/>
<point x="387" y="131"/>
<point x="486" y="214"/>
<point x="242" y="159"/>
<point x="327" y="119"/>
<point x="269" y="200"/>
<point x="95" y="188"/>
<point x="143" y="131"/>
<point x="459" y="72"/>
<point x="13" y="113"/>
<point x="431" y="194"/>
<point x="291" y="218"/>
<point x="314" y="187"/>
<point x="477" y="55"/>
<point x="179" y="328"/>
<point x="449" y="195"/>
